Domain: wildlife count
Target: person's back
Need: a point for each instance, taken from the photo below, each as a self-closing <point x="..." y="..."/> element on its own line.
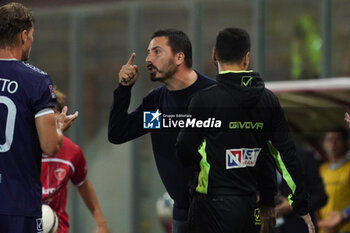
<point x="231" y="158"/>
<point x="27" y="123"/>
<point x="246" y="127"/>
<point x="21" y="100"/>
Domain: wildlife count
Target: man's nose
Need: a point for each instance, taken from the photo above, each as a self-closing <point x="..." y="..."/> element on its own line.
<point x="148" y="59"/>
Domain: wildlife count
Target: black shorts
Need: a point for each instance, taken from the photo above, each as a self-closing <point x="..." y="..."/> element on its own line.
<point x="223" y="214"/>
<point x="20" y="224"/>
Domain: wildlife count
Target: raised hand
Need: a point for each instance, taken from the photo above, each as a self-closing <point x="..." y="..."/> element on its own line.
<point x="129" y="73"/>
<point x="334" y="220"/>
<point x="64" y="121"/>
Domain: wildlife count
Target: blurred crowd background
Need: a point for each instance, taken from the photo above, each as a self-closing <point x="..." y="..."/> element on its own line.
<point x="82" y="44"/>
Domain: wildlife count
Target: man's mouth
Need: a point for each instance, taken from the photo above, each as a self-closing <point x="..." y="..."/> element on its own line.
<point x="151" y="68"/>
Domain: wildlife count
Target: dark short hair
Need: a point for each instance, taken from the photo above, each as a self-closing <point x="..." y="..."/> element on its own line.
<point x="178" y="42"/>
<point x="341" y="130"/>
<point x="232" y="44"/>
<point x="14" y="18"/>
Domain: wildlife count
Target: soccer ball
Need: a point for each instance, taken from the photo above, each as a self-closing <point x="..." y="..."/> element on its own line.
<point x="164" y="207"/>
<point x="50" y="219"/>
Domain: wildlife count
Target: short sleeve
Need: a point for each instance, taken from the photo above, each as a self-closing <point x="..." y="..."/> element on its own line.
<point x="45" y="96"/>
<point x="80" y="173"/>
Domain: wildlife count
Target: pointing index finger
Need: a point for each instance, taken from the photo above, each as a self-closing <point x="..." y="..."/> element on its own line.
<point x="131" y="59"/>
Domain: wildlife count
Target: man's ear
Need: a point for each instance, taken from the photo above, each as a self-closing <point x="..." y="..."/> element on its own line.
<point x="246" y="60"/>
<point x="23" y="36"/>
<point x="179" y="58"/>
<point x="213" y="57"/>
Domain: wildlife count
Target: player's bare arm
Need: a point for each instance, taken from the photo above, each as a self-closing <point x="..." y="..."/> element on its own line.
<point x="334" y="221"/>
<point x="309" y="223"/>
<point x="129" y="73"/>
<point x="50" y="130"/>
<point x="268" y="218"/>
<point x="88" y="194"/>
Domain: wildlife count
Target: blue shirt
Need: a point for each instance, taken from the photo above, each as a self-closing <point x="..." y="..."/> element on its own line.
<point x="25" y="93"/>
